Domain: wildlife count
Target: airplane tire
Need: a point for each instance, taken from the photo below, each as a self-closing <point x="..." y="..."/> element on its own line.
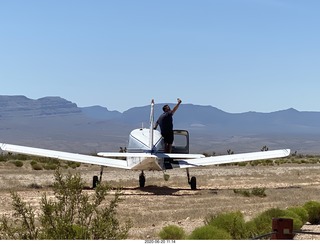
<point x="95" y="181"/>
<point x="142" y="180"/>
<point x="193" y="183"/>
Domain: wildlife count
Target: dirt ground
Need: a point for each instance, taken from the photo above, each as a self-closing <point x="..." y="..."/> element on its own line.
<point x="163" y="203"/>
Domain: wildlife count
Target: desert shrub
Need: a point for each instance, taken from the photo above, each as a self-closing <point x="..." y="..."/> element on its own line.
<point x="260" y="192"/>
<point x="50" y="166"/>
<point x="268" y="162"/>
<point x="243" y="164"/>
<point x="233" y="223"/>
<point x="22" y="224"/>
<point x="33" y="162"/>
<point x="166" y="177"/>
<point x="49" y="163"/>
<point x="9" y="156"/>
<point x="72" y="214"/>
<point x="297" y="222"/>
<point x="209" y="232"/>
<point x="263" y="222"/>
<point x="17" y="163"/>
<point x="245" y="193"/>
<point x="313" y="209"/>
<point x="301" y="211"/>
<point x="36" y="166"/>
<point x="280" y="161"/>
<point x="48" y="160"/>
<point x="3" y="158"/>
<point x="251" y="229"/>
<point x="172" y="232"/>
<point x="74" y="165"/>
<point x="34" y="186"/>
<point x="256" y="162"/>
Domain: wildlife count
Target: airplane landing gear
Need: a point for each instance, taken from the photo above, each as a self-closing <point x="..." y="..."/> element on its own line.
<point x="142" y="179"/>
<point x="192" y="182"/>
<point x="96" y="180"/>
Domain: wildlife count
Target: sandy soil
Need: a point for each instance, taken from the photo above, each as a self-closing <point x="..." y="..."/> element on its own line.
<point x="162" y="203"/>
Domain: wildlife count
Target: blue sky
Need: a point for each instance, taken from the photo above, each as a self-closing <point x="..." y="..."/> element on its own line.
<point x="236" y="55"/>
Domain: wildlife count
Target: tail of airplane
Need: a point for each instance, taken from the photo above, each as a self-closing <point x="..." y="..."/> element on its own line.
<point x="151" y="125"/>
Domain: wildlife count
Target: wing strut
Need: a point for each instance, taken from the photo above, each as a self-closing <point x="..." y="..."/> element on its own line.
<point x="101" y="172"/>
<point x="151" y="125"/>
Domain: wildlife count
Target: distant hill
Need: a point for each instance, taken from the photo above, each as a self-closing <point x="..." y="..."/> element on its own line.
<point x="56" y="123"/>
<point x="100" y="113"/>
<point x="21" y="106"/>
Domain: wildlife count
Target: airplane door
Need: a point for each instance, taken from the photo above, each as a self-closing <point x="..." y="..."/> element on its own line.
<point x="181" y="141"/>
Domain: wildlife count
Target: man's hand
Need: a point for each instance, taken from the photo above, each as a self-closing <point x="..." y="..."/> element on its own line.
<point x="177" y="106"/>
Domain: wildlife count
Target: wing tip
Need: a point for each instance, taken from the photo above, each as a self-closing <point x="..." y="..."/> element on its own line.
<point x="2" y="146"/>
<point x="287" y="152"/>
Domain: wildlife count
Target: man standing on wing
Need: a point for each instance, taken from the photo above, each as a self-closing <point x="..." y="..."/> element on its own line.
<point x="166" y="125"/>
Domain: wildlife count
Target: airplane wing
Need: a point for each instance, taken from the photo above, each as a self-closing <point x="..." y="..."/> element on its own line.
<point x="115" y="163"/>
<point x="233" y="158"/>
<point x="190" y="160"/>
<point x="158" y="155"/>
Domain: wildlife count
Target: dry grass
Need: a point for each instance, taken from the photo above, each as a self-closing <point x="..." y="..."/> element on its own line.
<point x="163" y="203"/>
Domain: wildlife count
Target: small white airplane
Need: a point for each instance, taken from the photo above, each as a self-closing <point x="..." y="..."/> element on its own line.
<point x="145" y="151"/>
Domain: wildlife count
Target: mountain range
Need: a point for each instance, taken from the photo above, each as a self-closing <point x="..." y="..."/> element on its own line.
<point x="59" y="124"/>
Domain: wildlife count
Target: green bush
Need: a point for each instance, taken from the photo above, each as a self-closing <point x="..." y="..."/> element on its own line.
<point x="244" y="193"/>
<point x="263" y="222"/>
<point x="74" y="165"/>
<point x="209" y="232"/>
<point x="50" y="166"/>
<point x="36" y="166"/>
<point x="260" y="192"/>
<point x="301" y="211"/>
<point x="313" y="209"/>
<point x="297" y="222"/>
<point x="17" y="163"/>
<point x="32" y="163"/>
<point x="3" y="158"/>
<point x="71" y="215"/>
<point x="172" y="232"/>
<point x="251" y="229"/>
<point x="233" y="223"/>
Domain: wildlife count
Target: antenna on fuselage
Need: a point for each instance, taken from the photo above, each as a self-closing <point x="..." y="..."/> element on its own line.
<point x="151" y="125"/>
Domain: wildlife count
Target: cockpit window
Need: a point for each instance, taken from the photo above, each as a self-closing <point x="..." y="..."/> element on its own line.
<point x="180" y="140"/>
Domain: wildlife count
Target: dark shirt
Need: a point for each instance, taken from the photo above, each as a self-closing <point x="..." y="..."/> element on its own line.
<point x="165" y="122"/>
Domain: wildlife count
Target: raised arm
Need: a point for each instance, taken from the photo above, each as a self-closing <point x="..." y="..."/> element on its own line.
<point x="177" y="106"/>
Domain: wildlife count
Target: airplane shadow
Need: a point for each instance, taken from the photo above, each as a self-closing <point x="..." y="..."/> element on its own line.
<point x="164" y="191"/>
<point x="147" y="190"/>
<point x="157" y="190"/>
<point x="169" y="191"/>
<point x="161" y="191"/>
